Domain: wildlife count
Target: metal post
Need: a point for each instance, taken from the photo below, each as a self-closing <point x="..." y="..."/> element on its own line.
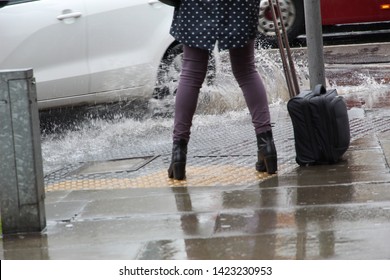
<point x="21" y="172"/>
<point x="315" y="48"/>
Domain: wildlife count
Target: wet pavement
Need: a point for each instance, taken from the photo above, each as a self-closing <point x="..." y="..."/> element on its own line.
<point x="225" y="209"/>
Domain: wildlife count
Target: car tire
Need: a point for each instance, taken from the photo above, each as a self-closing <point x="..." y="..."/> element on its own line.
<point x="293" y="19"/>
<point x="169" y="72"/>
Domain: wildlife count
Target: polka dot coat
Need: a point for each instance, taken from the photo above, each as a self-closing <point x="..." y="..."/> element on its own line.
<point x="203" y="23"/>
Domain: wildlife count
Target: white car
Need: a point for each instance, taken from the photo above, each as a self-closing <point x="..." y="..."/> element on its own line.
<point x="87" y="51"/>
<point x="98" y="51"/>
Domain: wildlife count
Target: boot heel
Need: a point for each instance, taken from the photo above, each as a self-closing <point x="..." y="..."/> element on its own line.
<point x="260" y="165"/>
<point x="266" y="154"/>
<point x="178" y="171"/>
<point x="177" y="168"/>
<point x="271" y="164"/>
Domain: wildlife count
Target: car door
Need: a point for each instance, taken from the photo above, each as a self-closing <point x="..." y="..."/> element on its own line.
<point x="383" y="12"/>
<point x="50" y="37"/>
<point x="354" y="11"/>
<point x="127" y="40"/>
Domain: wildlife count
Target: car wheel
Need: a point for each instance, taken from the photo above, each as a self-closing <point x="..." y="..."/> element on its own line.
<point x="169" y="72"/>
<point x="292" y="12"/>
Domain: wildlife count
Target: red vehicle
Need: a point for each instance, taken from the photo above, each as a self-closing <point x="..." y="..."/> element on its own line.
<point x="333" y="12"/>
<point x="354" y="11"/>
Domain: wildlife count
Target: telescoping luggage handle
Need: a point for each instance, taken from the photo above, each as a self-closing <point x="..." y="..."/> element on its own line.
<point x="288" y="63"/>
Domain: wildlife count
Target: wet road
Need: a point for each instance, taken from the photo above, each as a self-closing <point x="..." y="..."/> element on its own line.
<point x="225" y="209"/>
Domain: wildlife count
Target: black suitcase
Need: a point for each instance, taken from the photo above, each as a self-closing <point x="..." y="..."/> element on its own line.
<point x="321" y="126"/>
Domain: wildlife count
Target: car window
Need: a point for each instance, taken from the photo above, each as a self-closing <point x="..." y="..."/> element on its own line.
<point x="14" y="2"/>
<point x="3" y="3"/>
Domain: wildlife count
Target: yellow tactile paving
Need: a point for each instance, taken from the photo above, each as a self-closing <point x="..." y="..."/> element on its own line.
<point x="210" y="175"/>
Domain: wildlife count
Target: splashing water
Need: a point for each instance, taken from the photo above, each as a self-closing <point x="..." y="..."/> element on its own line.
<point x="98" y="138"/>
<point x="367" y="89"/>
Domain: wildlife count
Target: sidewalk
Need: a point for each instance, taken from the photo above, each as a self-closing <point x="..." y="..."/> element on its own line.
<point x="326" y="212"/>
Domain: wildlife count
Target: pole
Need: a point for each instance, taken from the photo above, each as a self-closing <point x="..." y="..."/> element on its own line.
<point x="21" y="173"/>
<point x="315" y="48"/>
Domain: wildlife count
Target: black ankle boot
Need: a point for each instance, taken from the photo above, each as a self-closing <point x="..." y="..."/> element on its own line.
<point x="266" y="154"/>
<point x="177" y="169"/>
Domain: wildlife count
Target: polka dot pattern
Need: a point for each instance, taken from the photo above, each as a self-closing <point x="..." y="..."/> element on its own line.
<point x="203" y="23"/>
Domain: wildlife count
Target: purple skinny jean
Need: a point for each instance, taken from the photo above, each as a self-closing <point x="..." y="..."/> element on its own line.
<point x="193" y="73"/>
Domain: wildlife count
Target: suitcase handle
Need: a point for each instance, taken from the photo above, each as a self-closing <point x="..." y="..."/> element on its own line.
<point x="319" y="89"/>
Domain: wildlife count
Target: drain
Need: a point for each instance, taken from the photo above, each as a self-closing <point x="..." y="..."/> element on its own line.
<point x="112" y="166"/>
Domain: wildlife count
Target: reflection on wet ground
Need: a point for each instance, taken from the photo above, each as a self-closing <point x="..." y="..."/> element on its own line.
<point x="340" y="211"/>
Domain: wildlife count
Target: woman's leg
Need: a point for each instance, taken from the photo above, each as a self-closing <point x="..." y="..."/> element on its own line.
<point x="245" y="72"/>
<point x="191" y="79"/>
<point x="193" y="73"/>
